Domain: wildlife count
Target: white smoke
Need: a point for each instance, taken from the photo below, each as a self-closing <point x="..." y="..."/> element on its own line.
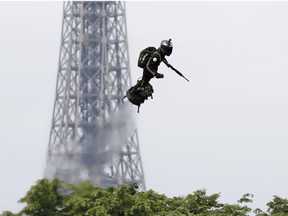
<point x="75" y="161"/>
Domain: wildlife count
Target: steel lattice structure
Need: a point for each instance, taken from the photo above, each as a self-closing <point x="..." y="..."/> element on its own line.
<point x="93" y="75"/>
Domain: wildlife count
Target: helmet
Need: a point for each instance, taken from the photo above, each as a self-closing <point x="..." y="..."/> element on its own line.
<point x="166" y="47"/>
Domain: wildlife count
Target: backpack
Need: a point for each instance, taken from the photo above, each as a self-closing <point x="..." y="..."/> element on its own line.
<point x="145" y="55"/>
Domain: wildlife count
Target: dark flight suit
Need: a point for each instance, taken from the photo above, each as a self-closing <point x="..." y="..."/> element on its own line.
<point x="151" y="68"/>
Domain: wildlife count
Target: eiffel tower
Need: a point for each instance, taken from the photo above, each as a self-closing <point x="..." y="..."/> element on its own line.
<point x="93" y="136"/>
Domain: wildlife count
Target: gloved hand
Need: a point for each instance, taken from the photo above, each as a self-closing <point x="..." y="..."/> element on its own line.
<point x="159" y="75"/>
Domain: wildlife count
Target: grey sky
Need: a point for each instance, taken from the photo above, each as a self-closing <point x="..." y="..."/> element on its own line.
<point x="225" y="130"/>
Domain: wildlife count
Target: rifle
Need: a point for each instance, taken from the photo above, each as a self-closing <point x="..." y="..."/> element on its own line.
<point x="180" y="74"/>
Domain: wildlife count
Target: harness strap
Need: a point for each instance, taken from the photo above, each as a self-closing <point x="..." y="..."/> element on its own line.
<point x="147" y="66"/>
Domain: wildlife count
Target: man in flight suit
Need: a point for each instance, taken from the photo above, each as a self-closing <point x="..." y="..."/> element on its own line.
<point x="151" y="67"/>
<point x="149" y="59"/>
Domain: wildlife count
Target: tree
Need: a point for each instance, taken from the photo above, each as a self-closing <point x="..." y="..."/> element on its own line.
<point x="7" y="213"/>
<point x="49" y="198"/>
<point x="44" y="198"/>
<point x="278" y="206"/>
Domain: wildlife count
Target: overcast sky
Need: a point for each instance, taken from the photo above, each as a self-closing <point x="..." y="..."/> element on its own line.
<point x="225" y="130"/>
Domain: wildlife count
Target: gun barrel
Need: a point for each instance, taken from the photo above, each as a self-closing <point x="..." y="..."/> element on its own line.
<point x="178" y="72"/>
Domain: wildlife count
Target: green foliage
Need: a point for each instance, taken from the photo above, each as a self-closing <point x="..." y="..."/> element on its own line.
<point x="246" y="198"/>
<point x="7" y="213"/>
<point x="43" y="199"/>
<point x="200" y="203"/>
<point x="236" y="210"/>
<point x="278" y="206"/>
<point x="54" y="198"/>
<point x="259" y="212"/>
